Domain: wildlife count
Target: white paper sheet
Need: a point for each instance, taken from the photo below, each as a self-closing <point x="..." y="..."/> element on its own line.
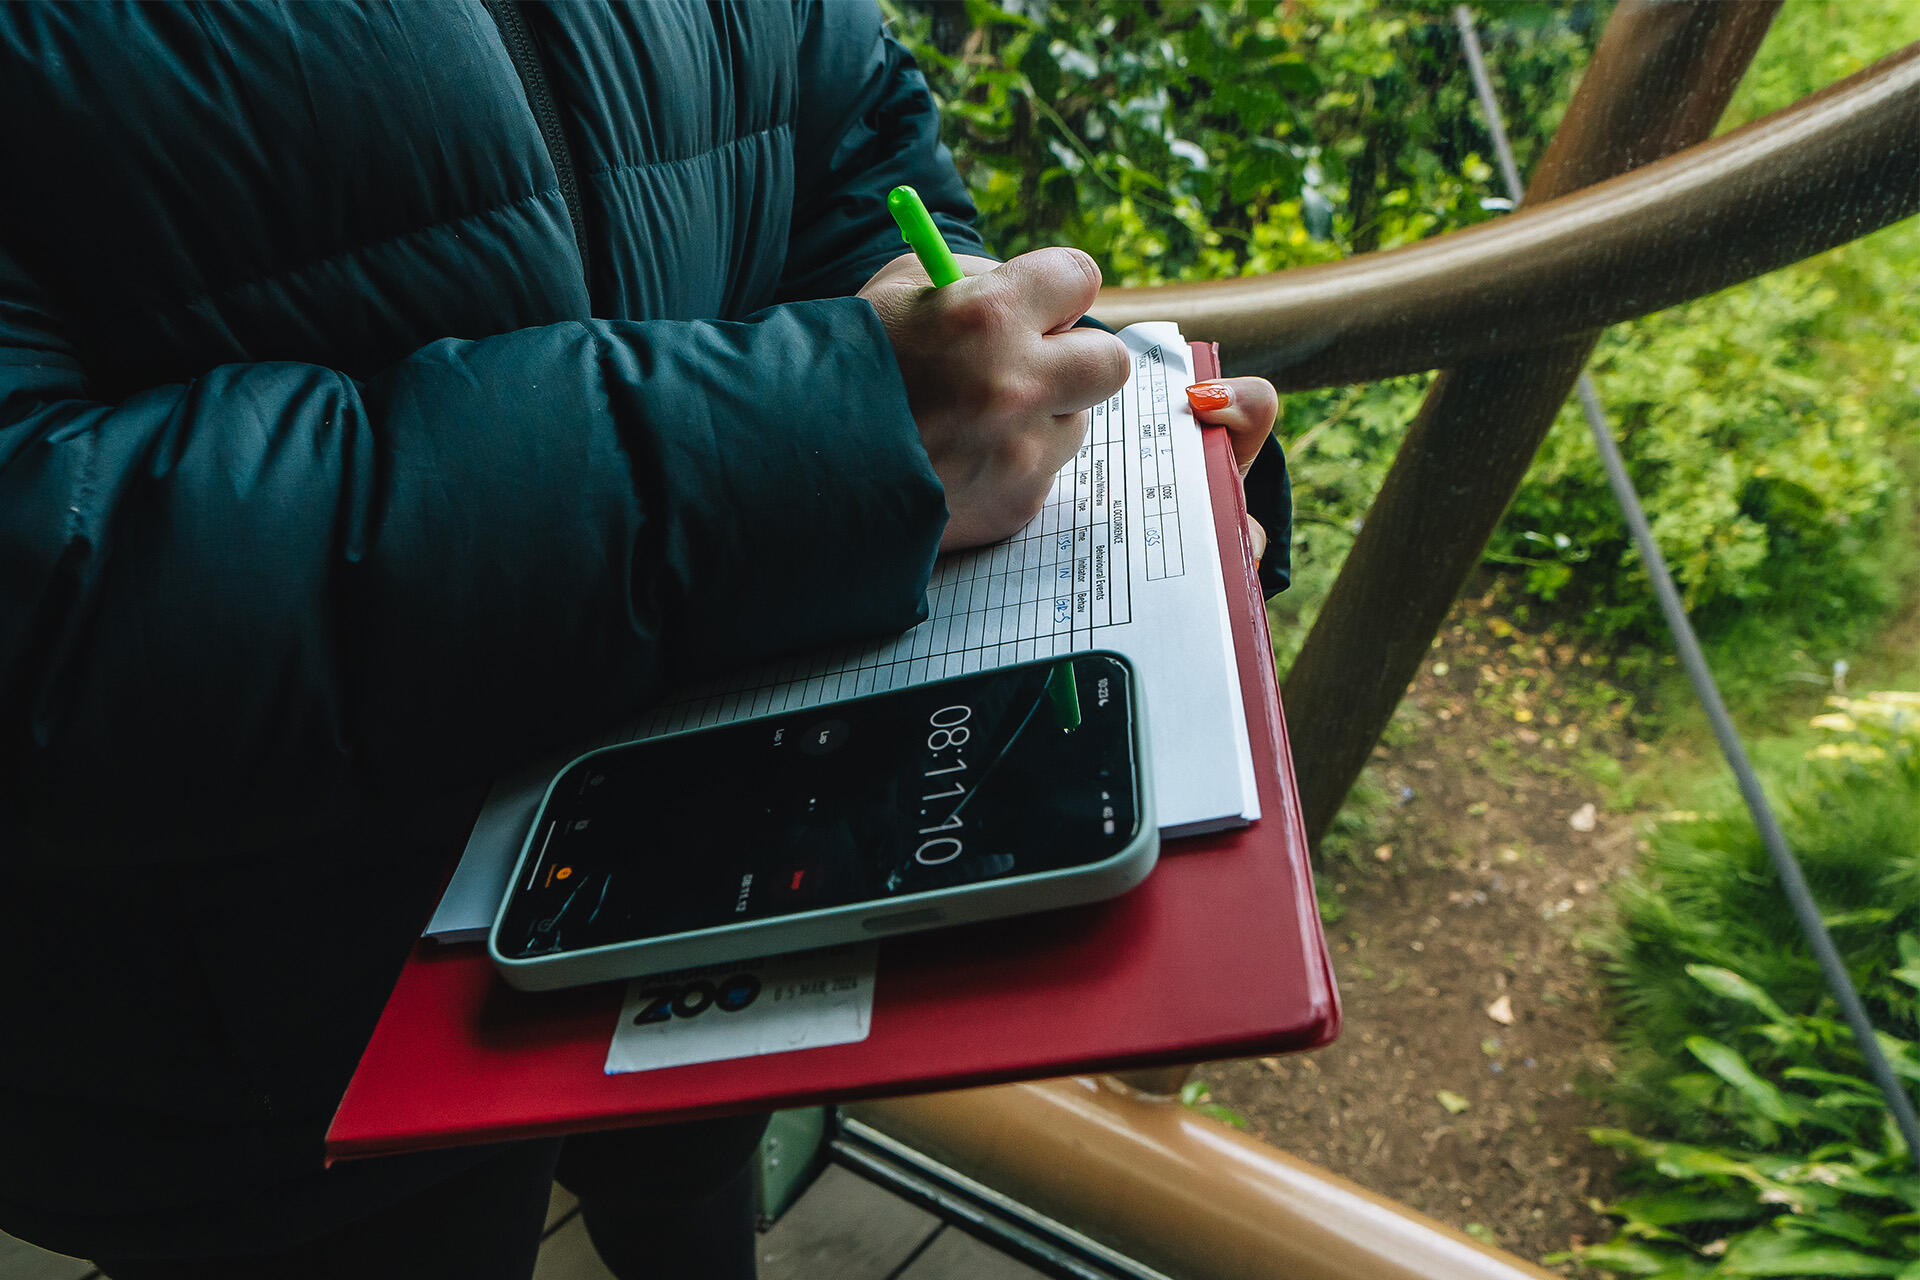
<point x="1122" y="557"/>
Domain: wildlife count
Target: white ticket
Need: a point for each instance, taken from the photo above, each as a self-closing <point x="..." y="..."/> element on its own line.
<point x="741" y="1010"/>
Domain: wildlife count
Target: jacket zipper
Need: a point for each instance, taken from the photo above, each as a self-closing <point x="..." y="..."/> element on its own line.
<point x="533" y="82"/>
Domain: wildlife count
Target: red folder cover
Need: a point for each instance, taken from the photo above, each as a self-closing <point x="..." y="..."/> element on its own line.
<point x="1218" y="954"/>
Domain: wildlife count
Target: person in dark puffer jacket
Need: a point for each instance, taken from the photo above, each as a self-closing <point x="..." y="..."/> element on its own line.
<point x="390" y="394"/>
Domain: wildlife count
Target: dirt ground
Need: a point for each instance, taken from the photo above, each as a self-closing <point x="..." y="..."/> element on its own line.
<point x="1473" y="1035"/>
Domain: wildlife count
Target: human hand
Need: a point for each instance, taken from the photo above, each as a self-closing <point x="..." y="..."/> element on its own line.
<point x="1247" y="408"/>
<point x="998" y="379"/>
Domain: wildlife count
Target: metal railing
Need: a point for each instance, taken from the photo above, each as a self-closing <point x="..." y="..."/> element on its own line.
<point x="1632" y="210"/>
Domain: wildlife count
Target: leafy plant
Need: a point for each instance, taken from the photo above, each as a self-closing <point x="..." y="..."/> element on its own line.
<point x="1771" y="469"/>
<point x="1771" y="427"/>
<point x="1206" y="138"/>
<point x="1777" y="1157"/>
<point x="1198" y="1095"/>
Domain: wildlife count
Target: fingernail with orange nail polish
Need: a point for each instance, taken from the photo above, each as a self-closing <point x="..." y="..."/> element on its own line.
<point x="1209" y="395"/>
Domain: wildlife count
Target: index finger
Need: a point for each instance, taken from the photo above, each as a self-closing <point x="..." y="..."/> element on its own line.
<point x="1081" y="367"/>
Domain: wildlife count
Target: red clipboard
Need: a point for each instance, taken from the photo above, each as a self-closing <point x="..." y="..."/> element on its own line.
<point x="1218" y="954"/>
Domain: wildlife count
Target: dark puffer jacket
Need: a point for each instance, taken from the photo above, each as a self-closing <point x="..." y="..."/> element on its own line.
<point x="330" y="485"/>
<point x="350" y="456"/>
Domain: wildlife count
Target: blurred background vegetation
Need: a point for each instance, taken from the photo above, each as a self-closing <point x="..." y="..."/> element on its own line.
<point x="1181" y="141"/>
<point x="1774" y="431"/>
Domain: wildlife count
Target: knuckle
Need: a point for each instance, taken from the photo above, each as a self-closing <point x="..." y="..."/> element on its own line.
<point x="974" y="315"/>
<point x="1019" y="459"/>
<point x="1046" y="448"/>
<point x="1008" y="394"/>
<point x="1034" y="461"/>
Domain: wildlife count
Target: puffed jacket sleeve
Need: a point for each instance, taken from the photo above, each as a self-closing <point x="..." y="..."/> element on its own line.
<point x="235" y="606"/>
<point x="866" y="124"/>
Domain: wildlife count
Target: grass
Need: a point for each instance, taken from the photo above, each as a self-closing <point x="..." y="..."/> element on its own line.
<point x="1772" y="686"/>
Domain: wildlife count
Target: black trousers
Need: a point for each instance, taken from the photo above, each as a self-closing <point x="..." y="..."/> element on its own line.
<point x="665" y="1202"/>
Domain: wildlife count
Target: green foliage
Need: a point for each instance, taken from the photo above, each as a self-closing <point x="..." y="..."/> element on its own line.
<point x="1777" y="1157"/>
<point x="1767" y="443"/>
<point x="1813" y="43"/>
<point x="1198" y="1095"/>
<point x="1185" y="139"/>
<point x="1339" y="445"/>
<point x="1772" y="429"/>
<point x="1770" y="426"/>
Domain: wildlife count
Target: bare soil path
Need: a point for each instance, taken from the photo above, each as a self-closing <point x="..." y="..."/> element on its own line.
<point x="1473" y="1033"/>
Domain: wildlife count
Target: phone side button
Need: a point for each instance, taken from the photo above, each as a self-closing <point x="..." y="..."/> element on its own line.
<point x="901" y="920"/>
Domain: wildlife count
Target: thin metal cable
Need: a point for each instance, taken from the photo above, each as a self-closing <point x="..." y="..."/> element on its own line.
<point x="1704" y="688"/>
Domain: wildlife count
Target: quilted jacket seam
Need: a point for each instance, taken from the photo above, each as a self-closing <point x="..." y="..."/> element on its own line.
<point x="311" y="264"/>
<point x="641" y="166"/>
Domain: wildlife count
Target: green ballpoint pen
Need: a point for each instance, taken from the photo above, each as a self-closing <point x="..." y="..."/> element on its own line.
<point x="917" y="229"/>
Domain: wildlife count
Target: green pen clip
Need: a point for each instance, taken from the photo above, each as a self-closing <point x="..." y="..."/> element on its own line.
<point x="917" y="229"/>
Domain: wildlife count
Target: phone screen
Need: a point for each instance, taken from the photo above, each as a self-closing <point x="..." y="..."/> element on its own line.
<point x="1005" y="773"/>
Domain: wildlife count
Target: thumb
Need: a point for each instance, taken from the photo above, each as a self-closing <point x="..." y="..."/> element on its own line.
<point x="1051" y="288"/>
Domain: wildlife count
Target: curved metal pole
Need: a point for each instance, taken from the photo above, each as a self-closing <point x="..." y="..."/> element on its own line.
<point x="1827" y="170"/>
<point x="1181" y="1193"/>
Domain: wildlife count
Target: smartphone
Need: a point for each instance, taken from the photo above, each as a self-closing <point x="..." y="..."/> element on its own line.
<point x="1007" y="791"/>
